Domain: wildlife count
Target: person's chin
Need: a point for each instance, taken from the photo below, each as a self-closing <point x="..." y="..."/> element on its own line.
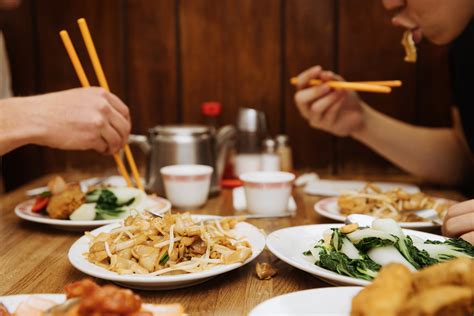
<point x="440" y="39"/>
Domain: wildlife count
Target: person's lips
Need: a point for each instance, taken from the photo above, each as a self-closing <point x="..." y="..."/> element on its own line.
<point x="417" y="35"/>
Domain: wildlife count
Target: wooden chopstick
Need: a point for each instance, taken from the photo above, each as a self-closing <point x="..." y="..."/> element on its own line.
<point x="367" y="86"/>
<point x="76" y="63"/>
<point x="86" y="35"/>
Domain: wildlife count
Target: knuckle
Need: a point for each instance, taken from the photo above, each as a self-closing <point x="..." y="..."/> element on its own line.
<point x="98" y="122"/>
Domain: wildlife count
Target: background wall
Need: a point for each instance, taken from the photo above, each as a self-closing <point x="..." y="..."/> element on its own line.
<point x="165" y="57"/>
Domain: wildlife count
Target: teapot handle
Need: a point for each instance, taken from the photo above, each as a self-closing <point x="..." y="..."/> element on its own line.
<point x="141" y="141"/>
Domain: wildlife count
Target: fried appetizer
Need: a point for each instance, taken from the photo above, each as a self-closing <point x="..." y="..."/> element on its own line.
<point x="66" y="202"/>
<point x="459" y="271"/>
<point x="444" y="300"/>
<point x="410" y="48"/>
<point x="386" y="295"/>
<point x="85" y="298"/>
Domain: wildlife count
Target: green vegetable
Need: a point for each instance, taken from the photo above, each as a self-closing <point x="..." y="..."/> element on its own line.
<point x="336" y="239"/>
<point x="45" y="194"/>
<point x="422" y="257"/>
<point x="372" y="242"/>
<point x="338" y="262"/>
<point x="164" y="259"/>
<point x="107" y="205"/>
<point x="449" y="249"/>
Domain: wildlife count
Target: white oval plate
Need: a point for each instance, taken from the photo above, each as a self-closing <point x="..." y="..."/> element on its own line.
<point x="163" y="282"/>
<point x="23" y="211"/>
<point x="288" y="244"/>
<point x="11" y="302"/>
<point x="328" y="208"/>
<point x="334" y="301"/>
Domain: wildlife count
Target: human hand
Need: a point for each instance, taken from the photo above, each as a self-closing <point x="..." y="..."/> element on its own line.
<point x="336" y="111"/>
<point x="459" y="221"/>
<point x="78" y="119"/>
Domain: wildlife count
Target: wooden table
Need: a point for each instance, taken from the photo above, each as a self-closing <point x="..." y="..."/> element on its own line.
<point x="33" y="257"/>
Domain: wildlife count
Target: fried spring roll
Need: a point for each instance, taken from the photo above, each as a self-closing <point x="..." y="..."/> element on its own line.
<point x="446" y="300"/>
<point x="386" y="295"/>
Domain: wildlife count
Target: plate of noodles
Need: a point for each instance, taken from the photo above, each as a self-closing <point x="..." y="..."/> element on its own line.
<point x="166" y="252"/>
<point x="410" y="210"/>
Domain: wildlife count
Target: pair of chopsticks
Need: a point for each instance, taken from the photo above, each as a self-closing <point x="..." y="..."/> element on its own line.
<point x="86" y="35"/>
<point x="365" y="86"/>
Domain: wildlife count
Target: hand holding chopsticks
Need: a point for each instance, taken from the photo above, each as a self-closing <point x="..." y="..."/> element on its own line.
<point x="103" y="83"/>
<point x="365" y="86"/>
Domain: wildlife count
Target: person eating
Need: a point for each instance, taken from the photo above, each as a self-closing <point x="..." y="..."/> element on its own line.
<point x="440" y="155"/>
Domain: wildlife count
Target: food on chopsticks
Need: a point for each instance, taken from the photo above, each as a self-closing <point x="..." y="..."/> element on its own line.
<point x="172" y="244"/>
<point x="443" y="289"/>
<point x="87" y="298"/>
<point x="362" y="252"/>
<point x="410" y="47"/>
<point x="68" y="201"/>
<point x="396" y="203"/>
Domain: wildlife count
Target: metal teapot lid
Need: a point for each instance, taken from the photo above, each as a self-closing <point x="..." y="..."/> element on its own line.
<point x="182" y="130"/>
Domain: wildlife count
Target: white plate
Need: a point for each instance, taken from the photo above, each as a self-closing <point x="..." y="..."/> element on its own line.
<point x="328" y="208"/>
<point x="288" y="244"/>
<point x="23" y="211"/>
<point x="11" y="302"/>
<point x="334" y="301"/>
<point x="335" y="187"/>
<point x="163" y="282"/>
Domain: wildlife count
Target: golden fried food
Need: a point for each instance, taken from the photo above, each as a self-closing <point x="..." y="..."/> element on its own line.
<point x="410" y="47"/>
<point x="106" y="300"/>
<point x="386" y="295"/>
<point x="396" y="204"/>
<point x="265" y="271"/>
<point x="459" y="271"/>
<point x="440" y="290"/>
<point x="4" y="311"/>
<point x="65" y="203"/>
<point x="444" y="300"/>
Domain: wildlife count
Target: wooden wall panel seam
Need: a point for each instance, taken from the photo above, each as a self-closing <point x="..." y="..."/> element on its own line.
<point x="283" y="78"/>
<point x="179" y="64"/>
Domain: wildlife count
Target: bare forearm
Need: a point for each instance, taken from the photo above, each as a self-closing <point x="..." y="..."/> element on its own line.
<point x="14" y="131"/>
<point x="436" y="154"/>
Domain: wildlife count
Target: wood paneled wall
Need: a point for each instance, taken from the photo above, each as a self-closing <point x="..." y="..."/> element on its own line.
<point x="165" y="57"/>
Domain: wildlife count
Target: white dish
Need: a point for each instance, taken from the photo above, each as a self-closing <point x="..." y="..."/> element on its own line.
<point x="334" y="301"/>
<point x="328" y="208"/>
<point x="163" y="282"/>
<point x="23" y="211"/>
<point x="11" y="302"/>
<point x="335" y="187"/>
<point x="288" y="244"/>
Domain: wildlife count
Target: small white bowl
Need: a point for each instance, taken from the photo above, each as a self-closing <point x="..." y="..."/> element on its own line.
<point x="267" y="192"/>
<point x="187" y="186"/>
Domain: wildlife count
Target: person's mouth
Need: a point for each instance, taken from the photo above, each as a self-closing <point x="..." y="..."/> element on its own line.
<point x="417" y="35"/>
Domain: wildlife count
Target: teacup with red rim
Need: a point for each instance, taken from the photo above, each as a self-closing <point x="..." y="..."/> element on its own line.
<point x="187" y="186"/>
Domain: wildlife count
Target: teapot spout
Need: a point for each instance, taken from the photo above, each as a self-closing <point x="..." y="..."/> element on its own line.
<point x="225" y="139"/>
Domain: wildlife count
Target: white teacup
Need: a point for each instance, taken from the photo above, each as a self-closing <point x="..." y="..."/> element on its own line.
<point x="187" y="186"/>
<point x="267" y="192"/>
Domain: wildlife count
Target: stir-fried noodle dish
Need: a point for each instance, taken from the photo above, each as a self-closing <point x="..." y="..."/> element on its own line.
<point x="396" y="204"/>
<point x="172" y="244"/>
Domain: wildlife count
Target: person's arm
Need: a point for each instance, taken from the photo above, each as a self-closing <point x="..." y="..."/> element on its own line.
<point x="77" y="119"/>
<point x="435" y="154"/>
<point x="14" y="132"/>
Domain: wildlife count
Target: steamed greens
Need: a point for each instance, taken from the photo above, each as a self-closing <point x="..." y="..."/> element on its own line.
<point x="362" y="252"/>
